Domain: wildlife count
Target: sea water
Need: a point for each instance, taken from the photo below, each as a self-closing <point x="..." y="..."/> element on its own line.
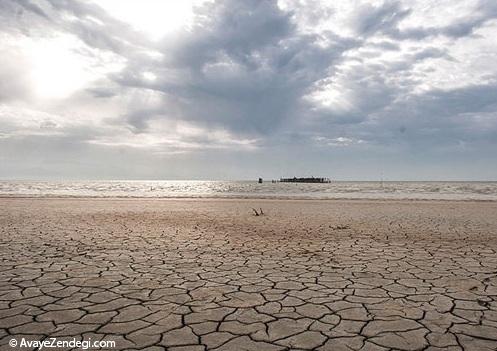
<point x="252" y="189"/>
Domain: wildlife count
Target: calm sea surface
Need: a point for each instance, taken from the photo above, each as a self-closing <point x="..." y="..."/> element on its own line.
<point x="251" y="189"/>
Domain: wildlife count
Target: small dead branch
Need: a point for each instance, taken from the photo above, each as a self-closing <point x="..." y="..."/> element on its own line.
<point x="260" y="213"/>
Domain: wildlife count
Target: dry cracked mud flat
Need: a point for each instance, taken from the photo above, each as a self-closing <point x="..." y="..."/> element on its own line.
<point x="209" y="275"/>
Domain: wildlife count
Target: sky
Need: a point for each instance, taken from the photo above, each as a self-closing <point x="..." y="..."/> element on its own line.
<point x="203" y="89"/>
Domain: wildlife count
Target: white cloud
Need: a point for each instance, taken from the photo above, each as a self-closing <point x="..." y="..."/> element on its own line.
<point x="338" y="142"/>
<point x="154" y="18"/>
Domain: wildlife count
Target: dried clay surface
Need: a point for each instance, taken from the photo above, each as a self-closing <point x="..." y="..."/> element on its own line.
<point x="211" y="275"/>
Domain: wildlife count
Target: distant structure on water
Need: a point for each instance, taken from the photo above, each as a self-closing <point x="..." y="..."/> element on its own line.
<point x="305" y="180"/>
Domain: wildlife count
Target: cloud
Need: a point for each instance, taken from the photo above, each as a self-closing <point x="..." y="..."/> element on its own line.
<point x="244" y="67"/>
<point x="254" y="78"/>
<point x="383" y="18"/>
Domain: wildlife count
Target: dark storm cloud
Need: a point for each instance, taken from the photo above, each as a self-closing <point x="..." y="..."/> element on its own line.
<point x="437" y="121"/>
<point x="243" y="66"/>
<point x="461" y="115"/>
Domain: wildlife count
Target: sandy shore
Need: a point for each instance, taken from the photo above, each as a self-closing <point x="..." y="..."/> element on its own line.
<point x="210" y="275"/>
